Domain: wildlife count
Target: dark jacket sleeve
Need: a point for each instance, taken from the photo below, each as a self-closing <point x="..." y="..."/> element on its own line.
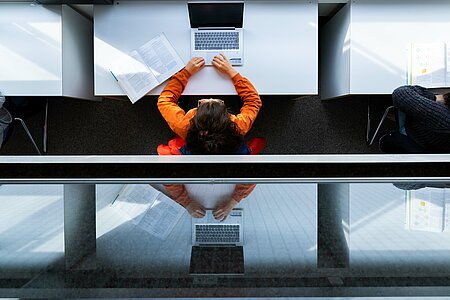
<point x="419" y="103"/>
<point x="413" y="100"/>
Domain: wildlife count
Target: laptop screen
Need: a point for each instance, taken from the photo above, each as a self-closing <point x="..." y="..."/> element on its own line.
<point x="216" y="14"/>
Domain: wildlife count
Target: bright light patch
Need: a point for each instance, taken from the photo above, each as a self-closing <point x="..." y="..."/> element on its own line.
<point x="54" y="244"/>
<point x="48" y="29"/>
<point x="110" y="54"/>
<point x="13" y="66"/>
<point x="347" y="38"/>
<point x="21" y="207"/>
<point x="156" y="203"/>
<point x="313" y="25"/>
<point x="376" y="59"/>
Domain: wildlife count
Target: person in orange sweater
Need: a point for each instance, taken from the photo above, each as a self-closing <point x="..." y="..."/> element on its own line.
<point x="209" y="129"/>
<point x="206" y="127"/>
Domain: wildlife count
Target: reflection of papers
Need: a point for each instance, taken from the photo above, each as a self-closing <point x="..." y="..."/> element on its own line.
<point x="149" y="209"/>
<point x="161" y="217"/>
<point x="147" y="67"/>
<point x="428" y="209"/>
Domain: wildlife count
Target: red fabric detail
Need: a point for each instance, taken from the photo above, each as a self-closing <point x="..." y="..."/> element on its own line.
<point x="256" y="145"/>
<point x="176" y="142"/>
<point x="173" y="146"/>
<point x="167" y="150"/>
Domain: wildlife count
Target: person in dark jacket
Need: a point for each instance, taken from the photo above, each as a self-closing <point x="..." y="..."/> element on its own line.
<point x="426" y="122"/>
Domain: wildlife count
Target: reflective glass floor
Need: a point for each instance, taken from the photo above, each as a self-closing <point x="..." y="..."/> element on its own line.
<point x="280" y="234"/>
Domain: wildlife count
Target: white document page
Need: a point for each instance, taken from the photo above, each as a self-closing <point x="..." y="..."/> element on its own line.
<point x="427" y="210"/>
<point x="147" y="67"/>
<point x="133" y="76"/>
<point x="161" y="58"/>
<point x="428" y="64"/>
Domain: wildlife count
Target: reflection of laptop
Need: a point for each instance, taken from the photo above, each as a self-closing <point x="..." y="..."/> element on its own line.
<point x="217" y="246"/>
<point x="216" y="27"/>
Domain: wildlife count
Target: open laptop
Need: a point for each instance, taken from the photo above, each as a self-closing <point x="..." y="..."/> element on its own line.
<point x="217" y="246"/>
<point x="217" y="27"/>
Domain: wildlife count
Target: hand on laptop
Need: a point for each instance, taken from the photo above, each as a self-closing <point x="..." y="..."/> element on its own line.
<point x="195" y="64"/>
<point x="195" y="209"/>
<point x="221" y="63"/>
<point x="223" y="210"/>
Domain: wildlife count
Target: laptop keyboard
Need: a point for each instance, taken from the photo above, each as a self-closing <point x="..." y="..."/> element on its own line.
<point x="211" y="233"/>
<point x="216" y="40"/>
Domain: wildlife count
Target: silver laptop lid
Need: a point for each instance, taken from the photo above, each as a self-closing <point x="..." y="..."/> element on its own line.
<point x="208" y="231"/>
<point x="216" y="14"/>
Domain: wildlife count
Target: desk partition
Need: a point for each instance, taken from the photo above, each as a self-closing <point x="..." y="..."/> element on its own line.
<point x="45" y="51"/>
<point x="364" y="46"/>
<point x="280" y="44"/>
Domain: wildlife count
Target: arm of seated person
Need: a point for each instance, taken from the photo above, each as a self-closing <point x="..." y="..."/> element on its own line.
<point x="241" y="191"/>
<point x="179" y="193"/>
<point x="251" y="101"/>
<point x="417" y="102"/>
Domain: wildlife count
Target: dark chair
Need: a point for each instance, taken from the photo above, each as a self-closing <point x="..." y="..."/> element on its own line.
<point x="369" y="139"/>
<point x="20" y="111"/>
<point x="394" y="141"/>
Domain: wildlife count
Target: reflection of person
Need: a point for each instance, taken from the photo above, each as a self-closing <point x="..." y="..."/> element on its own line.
<point x="209" y="129"/>
<point x="408" y="186"/>
<point x="426" y="123"/>
<point x="179" y="193"/>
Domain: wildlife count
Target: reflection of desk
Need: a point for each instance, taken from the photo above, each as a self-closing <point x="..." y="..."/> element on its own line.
<point x="279" y="238"/>
<point x="45" y="51"/>
<point x="280" y="44"/>
<point x="364" y="45"/>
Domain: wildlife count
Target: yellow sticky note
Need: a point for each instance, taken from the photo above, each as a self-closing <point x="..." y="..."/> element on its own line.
<point x="424" y="70"/>
<point x="422" y="203"/>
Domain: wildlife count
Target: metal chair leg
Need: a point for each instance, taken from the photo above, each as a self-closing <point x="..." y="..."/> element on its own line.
<point x="28" y="133"/>
<point x="368" y="123"/>
<point x="379" y="124"/>
<point x="44" y="138"/>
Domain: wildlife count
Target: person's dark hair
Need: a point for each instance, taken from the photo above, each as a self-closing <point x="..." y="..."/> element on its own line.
<point x="446" y="97"/>
<point x="212" y="132"/>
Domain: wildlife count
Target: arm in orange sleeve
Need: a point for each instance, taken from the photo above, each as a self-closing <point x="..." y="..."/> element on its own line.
<point x="174" y="115"/>
<point x="251" y="103"/>
<point x="241" y="191"/>
<point x="178" y="193"/>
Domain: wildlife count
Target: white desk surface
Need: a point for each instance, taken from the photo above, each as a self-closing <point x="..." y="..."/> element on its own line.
<point x="30" y="49"/>
<point x="366" y="43"/>
<point x="280" y="44"/>
<point x="45" y="50"/>
<point x="379" y="43"/>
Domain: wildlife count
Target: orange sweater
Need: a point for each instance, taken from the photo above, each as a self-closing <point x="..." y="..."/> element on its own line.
<point x="179" y="120"/>
<point x="179" y="193"/>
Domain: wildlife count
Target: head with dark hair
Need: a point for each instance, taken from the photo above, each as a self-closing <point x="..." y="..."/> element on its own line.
<point x="446" y="100"/>
<point x="212" y="131"/>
